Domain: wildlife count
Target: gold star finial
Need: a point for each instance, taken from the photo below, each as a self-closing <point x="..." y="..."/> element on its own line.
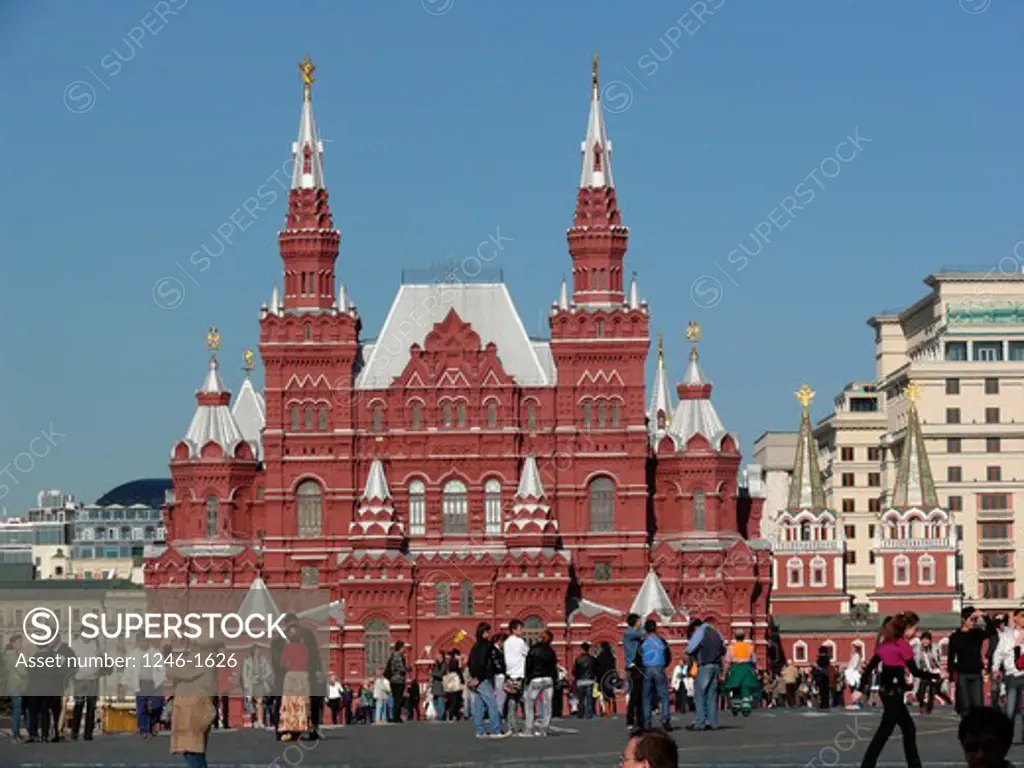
<point x="213" y="339"/>
<point x="307" y="68"/>
<point x="693" y="332"/>
<point x="248" y="362"/>
<point x="913" y="391"/>
<point x="806" y="396"/>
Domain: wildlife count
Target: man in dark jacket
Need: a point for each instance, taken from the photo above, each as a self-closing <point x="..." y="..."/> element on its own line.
<point x="481" y="679"/>
<point x="395" y="671"/>
<point x="707" y="648"/>
<point x="631" y="640"/>
<point x="437" y="673"/>
<point x="541" y="674"/>
<point x="964" y="658"/>
<point x="584" y="671"/>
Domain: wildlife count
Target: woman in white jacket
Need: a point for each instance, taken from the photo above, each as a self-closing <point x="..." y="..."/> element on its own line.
<point x="1004" y="663"/>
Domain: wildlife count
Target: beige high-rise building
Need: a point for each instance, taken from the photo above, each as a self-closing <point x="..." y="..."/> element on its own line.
<point x="963" y="343"/>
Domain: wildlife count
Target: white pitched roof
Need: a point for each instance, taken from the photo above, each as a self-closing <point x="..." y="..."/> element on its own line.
<point x="487" y="307"/>
<point x="661" y="397"/>
<point x="250" y="415"/>
<point x="308" y="137"/>
<point x="258" y="601"/>
<point x="696" y="416"/>
<point x="212" y="422"/>
<point x="376" y="483"/>
<point x="652" y="598"/>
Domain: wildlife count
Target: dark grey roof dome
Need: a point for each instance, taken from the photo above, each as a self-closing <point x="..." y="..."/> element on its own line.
<point x="149" y="492"/>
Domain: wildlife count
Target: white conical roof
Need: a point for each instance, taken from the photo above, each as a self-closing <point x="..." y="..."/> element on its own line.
<point x="376" y="483"/>
<point x="212" y="423"/>
<point x="661" y="395"/>
<point x="696" y="415"/>
<point x="530" y="486"/>
<point x="250" y="415"/>
<point x="308" y="175"/>
<point x="652" y="598"/>
<point x="258" y="601"/>
<point x="597" y="149"/>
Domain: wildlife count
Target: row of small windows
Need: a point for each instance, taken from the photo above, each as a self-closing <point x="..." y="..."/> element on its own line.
<point x="850" y="505"/>
<point x="454" y="508"/>
<point x="126" y="533"/>
<point x="984" y="351"/>
<point x="956" y="444"/>
<point x="848" y="453"/>
<point x="442" y="599"/>
<point x="305" y="417"/>
<point x="452" y="415"/>
<point x="991" y="386"/>
<point x="600" y="414"/>
<point x="993" y="474"/>
<point x="900" y="571"/>
<point x="991" y="416"/>
<point x="308" y="283"/>
<point x="849" y="480"/>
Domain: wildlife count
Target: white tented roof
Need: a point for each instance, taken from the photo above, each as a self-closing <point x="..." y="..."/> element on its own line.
<point x="487" y="307"/>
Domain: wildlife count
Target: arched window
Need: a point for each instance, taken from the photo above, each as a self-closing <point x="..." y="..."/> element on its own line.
<point x="615" y="413"/>
<point x="296" y="423"/>
<point x="309" y="330"/>
<point x="818" y="578"/>
<point x="492" y="415"/>
<point x="417" y="415"/>
<point x="600" y="415"/>
<point x="800" y="652"/>
<point x="600" y="329"/>
<point x="795" y="573"/>
<point x="378" y="418"/>
<point x="586" y="416"/>
<point x="377" y="642"/>
<point x="492" y="508"/>
<point x="531" y="415"/>
<point x="446" y="415"/>
<point x="901" y="570"/>
<point x="310" y="504"/>
<point x="460" y="415"/>
<point x="211" y="516"/>
<point x="309" y="418"/>
<point x="322" y="426"/>
<point x="699" y="511"/>
<point x="926" y="569"/>
<point x="455" y="508"/>
<point x="417" y="508"/>
<point x="805" y="531"/>
<point x="661" y="419"/>
<point x="532" y="627"/>
<point x="602" y="504"/>
<point x="466" y="598"/>
<point x="442" y="599"/>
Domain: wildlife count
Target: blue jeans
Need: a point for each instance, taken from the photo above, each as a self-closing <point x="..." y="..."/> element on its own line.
<point x="585" y="698"/>
<point x="439" y="706"/>
<point x="705" y="691"/>
<point x="142" y="713"/>
<point x="195" y="760"/>
<point x="485" y="701"/>
<point x="381" y="715"/>
<point x="656" y="684"/>
<point x="16" y="717"/>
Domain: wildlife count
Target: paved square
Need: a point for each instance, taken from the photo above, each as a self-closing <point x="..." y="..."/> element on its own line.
<point x="768" y="739"/>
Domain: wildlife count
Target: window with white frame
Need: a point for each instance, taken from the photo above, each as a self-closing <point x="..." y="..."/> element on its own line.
<point x="818" y="577"/>
<point x="492" y="415"/>
<point x="417" y="508"/>
<point x="699" y="510"/>
<point x="602" y="504"/>
<point x="901" y="570"/>
<point x="309" y="500"/>
<point x="926" y="570"/>
<point x="455" y="508"/>
<point x="795" y="573"/>
<point x="492" y="508"/>
<point x="211" y="516"/>
<point x="442" y="598"/>
<point x="800" y="652"/>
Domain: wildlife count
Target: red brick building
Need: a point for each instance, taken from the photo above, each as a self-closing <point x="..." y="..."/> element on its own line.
<point x="453" y="469"/>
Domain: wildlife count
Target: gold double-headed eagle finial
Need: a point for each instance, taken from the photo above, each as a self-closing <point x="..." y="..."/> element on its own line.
<point x="692" y="332"/>
<point x="248" y="361"/>
<point x="806" y="396"/>
<point x="307" y="68"/>
<point x="913" y="391"/>
<point x="213" y="339"/>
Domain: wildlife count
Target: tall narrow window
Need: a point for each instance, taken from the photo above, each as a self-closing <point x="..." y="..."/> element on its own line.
<point x="492" y="415"/>
<point x="309" y="418"/>
<point x="211" y="517"/>
<point x="455" y="508"/>
<point x="600" y="329"/>
<point x="466" y="598"/>
<point x="378" y="418"/>
<point x="602" y="504"/>
<point x="309" y="332"/>
<point x="417" y="415"/>
<point x="600" y="415"/>
<point x="446" y="417"/>
<point x="699" y="511"/>
<point x="818" y="572"/>
<point x="417" y="508"/>
<point x="492" y="508"/>
<point x="378" y="646"/>
<point x="586" y="416"/>
<point x="310" y="509"/>
<point x="442" y="599"/>
<point x="296" y="419"/>
<point x="323" y="418"/>
<point x="795" y="573"/>
<point x="531" y="415"/>
<point x="615" y="413"/>
<point x="901" y="570"/>
<point x="460" y="415"/>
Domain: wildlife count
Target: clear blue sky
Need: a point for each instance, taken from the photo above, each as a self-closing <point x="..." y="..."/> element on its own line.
<point x="441" y="128"/>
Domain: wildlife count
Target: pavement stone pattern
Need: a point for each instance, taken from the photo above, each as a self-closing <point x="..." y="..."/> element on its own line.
<point x="768" y="739"/>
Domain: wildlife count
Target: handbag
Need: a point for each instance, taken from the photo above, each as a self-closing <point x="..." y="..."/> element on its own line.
<point x="513" y="686"/>
<point x="451" y="682"/>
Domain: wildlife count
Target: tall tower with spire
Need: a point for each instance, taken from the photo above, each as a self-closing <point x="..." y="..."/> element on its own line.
<point x="916" y="545"/>
<point x="809" y="576"/>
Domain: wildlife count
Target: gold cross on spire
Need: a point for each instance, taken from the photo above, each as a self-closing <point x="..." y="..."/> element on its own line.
<point x="913" y="391"/>
<point x="806" y="396"/>
<point x="307" y="68"/>
<point x="593" y="72"/>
